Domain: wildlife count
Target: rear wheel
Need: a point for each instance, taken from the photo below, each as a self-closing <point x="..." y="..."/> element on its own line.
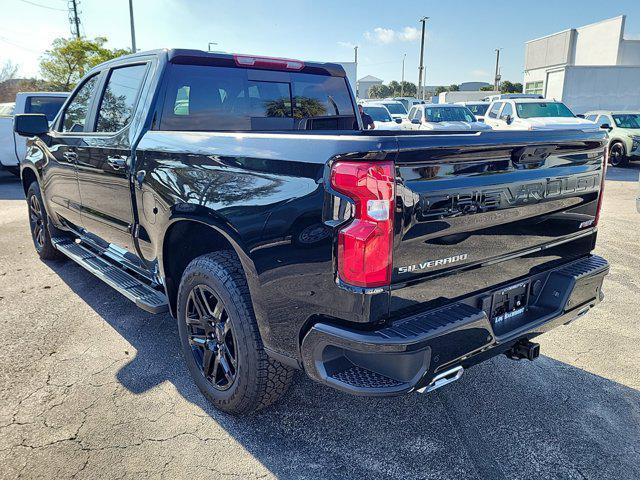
<point x="39" y="225"/>
<point x="618" y="155"/>
<point x="220" y="338"/>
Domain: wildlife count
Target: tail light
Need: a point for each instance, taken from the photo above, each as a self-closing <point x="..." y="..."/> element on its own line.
<point x="365" y="245"/>
<point x="605" y="160"/>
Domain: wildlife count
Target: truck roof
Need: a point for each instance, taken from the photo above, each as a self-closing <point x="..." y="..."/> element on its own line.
<point x="200" y="57"/>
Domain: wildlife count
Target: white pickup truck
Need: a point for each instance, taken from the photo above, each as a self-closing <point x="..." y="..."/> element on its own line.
<point x="12" y="146"/>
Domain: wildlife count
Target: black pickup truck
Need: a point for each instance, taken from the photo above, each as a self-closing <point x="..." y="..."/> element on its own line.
<point x="242" y="195"/>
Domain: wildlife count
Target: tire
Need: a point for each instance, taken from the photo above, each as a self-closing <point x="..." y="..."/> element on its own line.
<point x="219" y="335"/>
<point x="618" y="155"/>
<point x="39" y="225"/>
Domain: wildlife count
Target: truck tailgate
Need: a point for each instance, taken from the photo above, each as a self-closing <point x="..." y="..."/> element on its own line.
<point x="477" y="210"/>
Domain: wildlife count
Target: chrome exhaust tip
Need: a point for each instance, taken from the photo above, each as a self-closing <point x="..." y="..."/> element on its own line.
<point x="442" y="379"/>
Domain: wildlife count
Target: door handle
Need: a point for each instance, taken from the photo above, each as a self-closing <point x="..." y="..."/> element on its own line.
<point x="70" y="156"/>
<point x="117" y="162"/>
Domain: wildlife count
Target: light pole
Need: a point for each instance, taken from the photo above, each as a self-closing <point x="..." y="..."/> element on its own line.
<point x="496" y="79"/>
<point x="421" y="67"/>
<point x="404" y="56"/>
<point x="133" y="28"/>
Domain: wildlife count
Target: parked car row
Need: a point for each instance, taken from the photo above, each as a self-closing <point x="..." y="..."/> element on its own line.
<point x="509" y="112"/>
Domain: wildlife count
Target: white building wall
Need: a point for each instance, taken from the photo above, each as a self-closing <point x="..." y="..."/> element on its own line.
<point x="550" y="50"/>
<point x="629" y="52"/>
<point x="554" y="84"/>
<point x="602" y="88"/>
<point x="599" y="43"/>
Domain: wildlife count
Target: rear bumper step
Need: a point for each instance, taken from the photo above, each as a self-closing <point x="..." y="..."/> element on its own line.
<point x="424" y="351"/>
<point x="136" y="290"/>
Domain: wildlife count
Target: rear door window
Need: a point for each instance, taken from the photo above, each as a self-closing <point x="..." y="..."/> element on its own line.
<point x="208" y="98"/>
<point x="50" y="106"/>
<point x="120" y="97"/>
<point x="75" y="116"/>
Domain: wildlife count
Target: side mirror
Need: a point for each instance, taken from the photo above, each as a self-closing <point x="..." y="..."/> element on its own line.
<point x="606" y="126"/>
<point x="398" y="120"/>
<point x="416" y="121"/>
<point x="580" y="115"/>
<point x="508" y="119"/>
<point x="30" y="124"/>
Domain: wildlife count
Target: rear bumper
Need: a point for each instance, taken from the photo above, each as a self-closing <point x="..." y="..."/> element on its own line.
<point x="408" y="354"/>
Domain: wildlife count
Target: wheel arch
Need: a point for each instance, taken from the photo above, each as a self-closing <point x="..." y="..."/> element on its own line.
<point x="187" y="237"/>
<point x="28" y="175"/>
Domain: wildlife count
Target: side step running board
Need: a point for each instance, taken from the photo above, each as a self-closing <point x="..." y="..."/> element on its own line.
<point x="134" y="289"/>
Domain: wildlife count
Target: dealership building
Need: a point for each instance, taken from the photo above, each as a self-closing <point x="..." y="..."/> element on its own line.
<point x="588" y="68"/>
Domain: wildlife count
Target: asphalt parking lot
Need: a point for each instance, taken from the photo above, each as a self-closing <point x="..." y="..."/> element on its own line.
<point x="92" y="387"/>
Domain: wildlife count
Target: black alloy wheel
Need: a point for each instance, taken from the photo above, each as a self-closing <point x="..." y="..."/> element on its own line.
<point x="617" y="155"/>
<point x="220" y="338"/>
<point x="39" y="225"/>
<point x="36" y="221"/>
<point x="211" y="336"/>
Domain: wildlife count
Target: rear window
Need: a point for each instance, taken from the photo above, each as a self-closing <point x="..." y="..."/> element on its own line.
<point x="396" y="108"/>
<point x="543" y="109"/>
<point x="50" y="106"/>
<point x="448" y="114"/>
<point x="379" y="114"/>
<point x="478" y="108"/>
<point x="208" y="98"/>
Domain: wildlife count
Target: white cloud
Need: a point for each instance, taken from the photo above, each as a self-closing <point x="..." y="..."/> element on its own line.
<point x="381" y="35"/>
<point x="409" y="34"/>
<point x="388" y="35"/>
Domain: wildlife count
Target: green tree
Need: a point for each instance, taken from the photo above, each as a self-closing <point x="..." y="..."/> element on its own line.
<point x="440" y="90"/>
<point x="409" y="89"/>
<point x="508" y="87"/>
<point x="394" y="88"/>
<point x="487" y="88"/>
<point x="453" y="88"/>
<point x="379" y="91"/>
<point x="70" y="58"/>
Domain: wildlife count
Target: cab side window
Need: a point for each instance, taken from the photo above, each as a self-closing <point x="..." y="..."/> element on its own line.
<point x="493" y="113"/>
<point x="506" y="111"/>
<point x="76" y="113"/>
<point x="603" y="119"/>
<point x="120" y="98"/>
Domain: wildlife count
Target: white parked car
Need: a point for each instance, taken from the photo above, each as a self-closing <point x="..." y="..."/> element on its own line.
<point x="624" y="134"/>
<point x="396" y="108"/>
<point x="443" y="116"/>
<point x="382" y="119"/>
<point x="13" y="146"/>
<point x="477" y="108"/>
<point x="534" y="114"/>
<point x="408" y="102"/>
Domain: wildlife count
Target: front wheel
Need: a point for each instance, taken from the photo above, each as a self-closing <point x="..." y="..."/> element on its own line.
<point x="618" y="155"/>
<point x="220" y="338"/>
<point x="39" y="225"/>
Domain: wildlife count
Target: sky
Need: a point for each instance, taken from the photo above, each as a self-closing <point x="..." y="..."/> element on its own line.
<point x="461" y="35"/>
